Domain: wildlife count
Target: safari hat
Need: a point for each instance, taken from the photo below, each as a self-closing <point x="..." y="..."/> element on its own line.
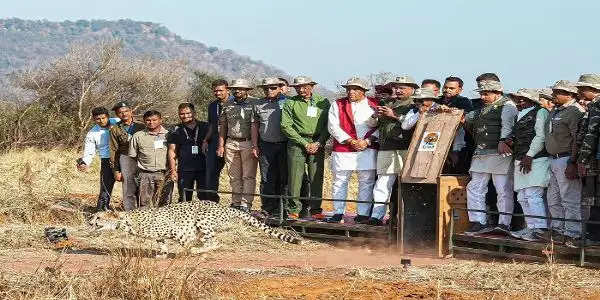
<point x="120" y="104"/>
<point x="530" y="94"/>
<point x="240" y="83"/>
<point x="545" y="93"/>
<point x="489" y="86"/>
<point x="404" y="80"/>
<point x="302" y="80"/>
<point x="589" y="80"/>
<point x="270" y="81"/>
<point x="565" y="85"/>
<point x="424" y="93"/>
<point x="355" y="81"/>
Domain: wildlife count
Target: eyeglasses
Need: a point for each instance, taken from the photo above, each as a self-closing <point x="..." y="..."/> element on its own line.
<point x="272" y="88"/>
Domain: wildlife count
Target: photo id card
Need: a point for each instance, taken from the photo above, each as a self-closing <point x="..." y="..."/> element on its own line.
<point x="311" y="111"/>
<point x="159" y="144"/>
<point x="194" y="149"/>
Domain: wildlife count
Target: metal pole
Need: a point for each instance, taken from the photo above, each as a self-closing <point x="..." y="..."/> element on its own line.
<point x="400" y="230"/>
<point x="583" y="238"/>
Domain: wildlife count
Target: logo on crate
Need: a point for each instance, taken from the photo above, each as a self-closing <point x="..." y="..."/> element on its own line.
<point x="429" y="141"/>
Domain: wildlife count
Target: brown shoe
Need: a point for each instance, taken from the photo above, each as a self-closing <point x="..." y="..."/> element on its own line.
<point x="318" y="216"/>
<point x="293" y="216"/>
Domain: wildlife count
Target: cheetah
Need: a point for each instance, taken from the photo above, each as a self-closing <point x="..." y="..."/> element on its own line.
<point x="185" y="223"/>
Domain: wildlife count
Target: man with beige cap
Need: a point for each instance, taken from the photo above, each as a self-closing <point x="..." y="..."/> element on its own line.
<point x="354" y="147"/>
<point x="393" y="145"/>
<point x="532" y="164"/>
<point x="564" y="191"/>
<point x="588" y="87"/>
<point x="236" y="145"/>
<point x="490" y="126"/>
<point x="304" y="122"/>
<point x="269" y="144"/>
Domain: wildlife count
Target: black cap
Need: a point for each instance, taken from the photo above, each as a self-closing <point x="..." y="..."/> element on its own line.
<point x="119" y="105"/>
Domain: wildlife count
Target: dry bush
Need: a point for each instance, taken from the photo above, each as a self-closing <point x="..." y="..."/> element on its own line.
<point x="66" y="89"/>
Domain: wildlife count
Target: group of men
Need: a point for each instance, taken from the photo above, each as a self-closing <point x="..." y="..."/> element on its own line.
<point x="541" y="144"/>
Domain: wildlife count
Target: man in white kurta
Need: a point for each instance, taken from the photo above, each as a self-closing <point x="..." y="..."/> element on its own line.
<point x="353" y="149"/>
<point x="490" y="126"/>
<point x="532" y="162"/>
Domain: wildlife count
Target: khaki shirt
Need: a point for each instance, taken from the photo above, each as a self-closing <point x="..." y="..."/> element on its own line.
<point x="120" y="134"/>
<point x="236" y="118"/>
<point x="150" y="149"/>
<point x="562" y="126"/>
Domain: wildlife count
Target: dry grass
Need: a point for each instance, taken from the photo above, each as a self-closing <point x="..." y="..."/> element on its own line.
<point x="36" y="182"/>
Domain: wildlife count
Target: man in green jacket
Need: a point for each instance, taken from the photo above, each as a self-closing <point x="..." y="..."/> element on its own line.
<point x="304" y="122"/>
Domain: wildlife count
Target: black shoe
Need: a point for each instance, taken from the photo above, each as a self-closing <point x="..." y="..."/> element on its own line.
<point x="304" y="214"/>
<point x="361" y="219"/>
<point x="572" y="242"/>
<point x="337" y="218"/>
<point x="374" y="222"/>
<point x="475" y="228"/>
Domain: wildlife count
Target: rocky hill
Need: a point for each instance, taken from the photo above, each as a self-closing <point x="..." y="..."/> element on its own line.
<point x="26" y="42"/>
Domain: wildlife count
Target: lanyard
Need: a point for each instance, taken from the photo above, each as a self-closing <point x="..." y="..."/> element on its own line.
<point x="187" y="137"/>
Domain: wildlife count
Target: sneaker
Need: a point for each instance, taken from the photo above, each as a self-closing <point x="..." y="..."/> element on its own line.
<point x="293" y="216"/>
<point x="361" y="219"/>
<point x="501" y="229"/>
<point x="474" y="228"/>
<point x="337" y="218"/>
<point x="517" y="234"/>
<point x="374" y="222"/>
<point x="572" y="242"/>
<point x="530" y="235"/>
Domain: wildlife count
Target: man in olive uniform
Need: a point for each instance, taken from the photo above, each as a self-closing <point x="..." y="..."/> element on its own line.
<point x="304" y="122"/>
<point x="564" y="191"/>
<point x="269" y="144"/>
<point x="490" y="126"/>
<point x="124" y="167"/>
<point x="393" y="144"/>
<point x="235" y="144"/>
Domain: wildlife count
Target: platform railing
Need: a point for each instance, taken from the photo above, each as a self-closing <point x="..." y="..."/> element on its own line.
<point x="583" y="223"/>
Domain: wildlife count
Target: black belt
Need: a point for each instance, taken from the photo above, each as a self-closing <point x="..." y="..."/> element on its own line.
<point x="282" y="142"/>
<point x="153" y="172"/>
<point x="559" y="155"/>
<point x="239" y="139"/>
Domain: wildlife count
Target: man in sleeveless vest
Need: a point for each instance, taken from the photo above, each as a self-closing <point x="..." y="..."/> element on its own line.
<point x="564" y="191"/>
<point x="393" y="142"/>
<point x="532" y="165"/>
<point x="354" y="147"/>
<point x="490" y="126"/>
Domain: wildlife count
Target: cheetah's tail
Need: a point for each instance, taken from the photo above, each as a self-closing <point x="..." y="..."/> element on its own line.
<point x="254" y="222"/>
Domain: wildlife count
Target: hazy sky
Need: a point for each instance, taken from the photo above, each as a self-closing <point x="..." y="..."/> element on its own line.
<point x="528" y="43"/>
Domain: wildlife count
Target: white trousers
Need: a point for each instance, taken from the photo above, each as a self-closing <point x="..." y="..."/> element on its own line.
<point x="532" y="202"/>
<point x="478" y="188"/>
<point x="564" y="198"/>
<point x="381" y="193"/>
<point x="339" y="190"/>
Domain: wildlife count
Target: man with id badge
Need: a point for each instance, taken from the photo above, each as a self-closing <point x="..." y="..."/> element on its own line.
<point x="235" y="144"/>
<point x="124" y="167"/>
<point x="304" y="122"/>
<point x="187" y="163"/>
<point x="149" y="147"/>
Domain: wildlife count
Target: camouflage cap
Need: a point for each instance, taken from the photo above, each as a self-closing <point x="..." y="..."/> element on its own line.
<point x="240" y="83"/>
<point x="565" y="85"/>
<point x="355" y="81"/>
<point x="404" y="80"/>
<point x="589" y="80"/>
<point x="489" y="86"/>
<point x="424" y="93"/>
<point x="545" y="93"/>
<point x="530" y="94"/>
<point x="303" y="80"/>
<point x="270" y="81"/>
